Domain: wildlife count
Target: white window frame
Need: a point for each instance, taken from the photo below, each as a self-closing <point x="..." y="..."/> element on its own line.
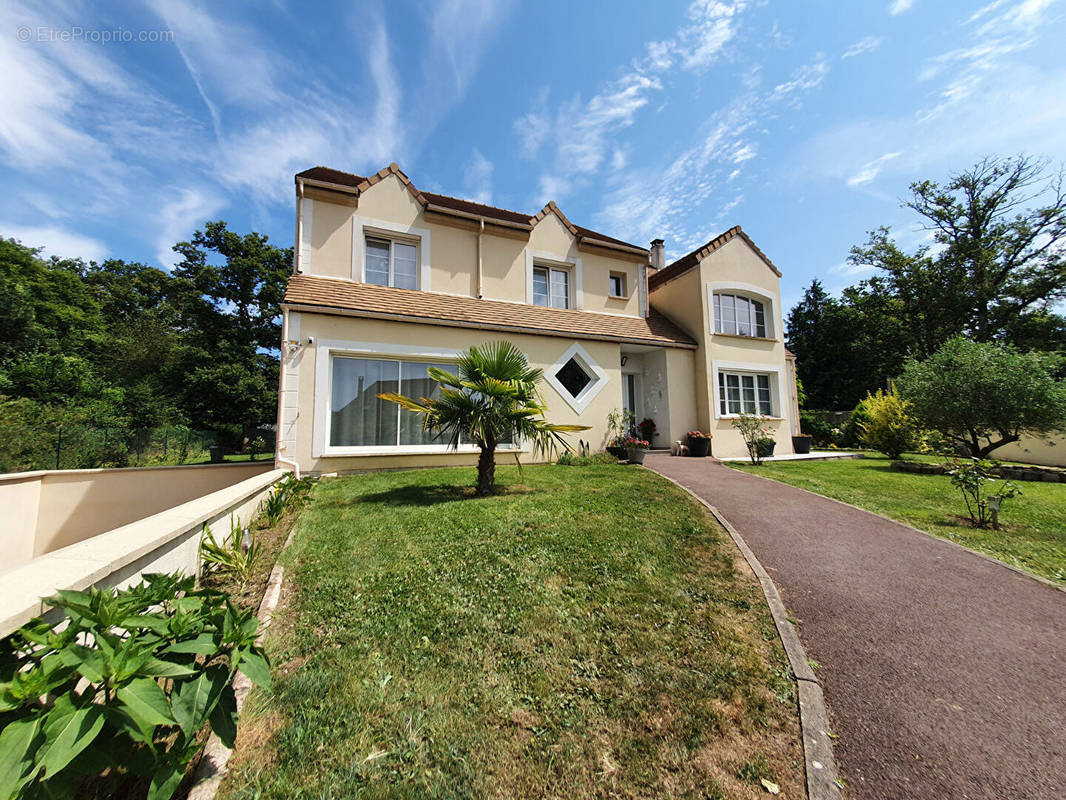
<point x="623" y="280"/>
<point x="362" y="227"/>
<point x="391" y="241"/>
<point x="554" y="260"/>
<point x="327" y="350"/>
<point x="548" y="271"/>
<point x="748" y="292"/>
<point x="594" y="387"/>
<point x="775" y="375"/>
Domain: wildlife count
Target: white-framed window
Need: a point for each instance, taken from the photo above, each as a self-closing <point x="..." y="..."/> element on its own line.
<point x="744" y="393"/>
<point x="551" y="287"/>
<point x="576" y="377"/>
<point x="739" y="315"/>
<point x="358" y="418"/>
<point x="617" y="285"/>
<point x="391" y="262"/>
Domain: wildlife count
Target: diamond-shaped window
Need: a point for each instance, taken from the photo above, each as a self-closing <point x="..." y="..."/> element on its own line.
<point x="573" y="377"/>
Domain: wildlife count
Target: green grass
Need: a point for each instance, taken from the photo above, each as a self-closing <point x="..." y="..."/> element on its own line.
<point x="587" y="632"/>
<point x="1033" y="536"/>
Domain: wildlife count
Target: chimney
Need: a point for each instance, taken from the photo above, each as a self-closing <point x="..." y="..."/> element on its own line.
<point x="658" y="255"/>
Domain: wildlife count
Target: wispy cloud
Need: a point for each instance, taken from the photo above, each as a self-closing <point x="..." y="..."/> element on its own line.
<point x="899" y="6"/>
<point x="477" y="178"/>
<point x="182" y="211"/>
<point x="56" y="241"/>
<point x="871" y="169"/>
<point x="803" y="79"/>
<point x="865" y="45"/>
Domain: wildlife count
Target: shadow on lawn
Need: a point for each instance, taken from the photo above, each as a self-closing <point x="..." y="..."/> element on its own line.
<point x="432" y="495"/>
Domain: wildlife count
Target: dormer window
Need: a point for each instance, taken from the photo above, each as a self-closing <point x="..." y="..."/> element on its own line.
<point x="391" y="262"/>
<point x="739" y="316"/>
<point x="551" y="287"/>
<point x="617" y="285"/>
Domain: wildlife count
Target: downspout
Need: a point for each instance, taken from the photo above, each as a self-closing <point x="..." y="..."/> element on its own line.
<point x="299" y="228"/>
<point x="480" y="233"/>
<point x="278" y="444"/>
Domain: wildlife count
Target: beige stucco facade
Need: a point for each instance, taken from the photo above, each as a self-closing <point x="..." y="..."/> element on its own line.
<point x="478" y="252"/>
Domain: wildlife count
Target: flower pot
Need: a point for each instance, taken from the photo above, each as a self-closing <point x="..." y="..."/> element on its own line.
<point x="618" y="452"/>
<point x="699" y="447"/>
<point x="216" y="452"/>
<point x="766" y="449"/>
<point x="636" y="455"/>
<point x="801" y="445"/>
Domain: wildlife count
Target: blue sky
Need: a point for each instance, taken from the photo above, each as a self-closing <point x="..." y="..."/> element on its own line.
<point x="802" y="121"/>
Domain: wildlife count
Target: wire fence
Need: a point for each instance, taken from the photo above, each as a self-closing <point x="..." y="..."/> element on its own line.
<point x="78" y="446"/>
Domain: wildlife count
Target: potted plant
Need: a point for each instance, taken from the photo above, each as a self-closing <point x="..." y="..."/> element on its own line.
<point x="620" y="424"/>
<point x="635" y="449"/>
<point x="765" y="446"/>
<point x="801" y="444"/>
<point x="647" y="429"/>
<point x="699" y="444"/>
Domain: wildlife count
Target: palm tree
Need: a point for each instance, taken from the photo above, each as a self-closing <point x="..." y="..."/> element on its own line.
<point x="492" y="399"/>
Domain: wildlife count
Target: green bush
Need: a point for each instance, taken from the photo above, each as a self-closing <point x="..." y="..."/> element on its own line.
<point x="973" y="477"/>
<point x="574" y="460"/>
<point x="889" y="425"/>
<point x="122" y="685"/>
<point x="820" y="430"/>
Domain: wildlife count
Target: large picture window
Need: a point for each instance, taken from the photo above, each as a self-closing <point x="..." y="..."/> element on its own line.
<point x="391" y="263"/>
<point x="740" y="316"/>
<point x="359" y="418"/>
<point x="744" y="393"/>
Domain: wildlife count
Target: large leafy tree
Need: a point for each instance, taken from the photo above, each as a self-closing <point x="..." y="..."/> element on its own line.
<point x="491" y="398"/>
<point x="984" y="395"/>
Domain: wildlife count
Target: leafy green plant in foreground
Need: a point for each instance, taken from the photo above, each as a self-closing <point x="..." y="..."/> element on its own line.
<point x="124" y="683"/>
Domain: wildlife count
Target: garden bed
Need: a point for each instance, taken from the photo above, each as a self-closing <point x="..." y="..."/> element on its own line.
<point x="588" y="632"/>
<point x="1010" y="472"/>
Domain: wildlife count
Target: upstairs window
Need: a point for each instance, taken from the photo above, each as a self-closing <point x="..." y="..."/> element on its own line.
<point x="617" y="285"/>
<point x="740" y="316"/>
<point x="551" y="287"/>
<point x="391" y="263"/>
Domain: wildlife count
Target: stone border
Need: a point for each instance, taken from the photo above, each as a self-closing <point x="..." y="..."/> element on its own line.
<point x="214" y="761"/>
<point x="819" y="765"/>
<point x="985" y="556"/>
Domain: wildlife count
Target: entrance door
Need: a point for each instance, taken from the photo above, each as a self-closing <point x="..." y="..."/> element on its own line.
<point x="629" y="394"/>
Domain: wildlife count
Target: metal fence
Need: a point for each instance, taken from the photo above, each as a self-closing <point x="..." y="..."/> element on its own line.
<point x="79" y="446"/>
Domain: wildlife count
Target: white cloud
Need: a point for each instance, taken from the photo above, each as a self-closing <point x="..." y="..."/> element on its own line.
<point x="803" y="79"/>
<point x="899" y="6"/>
<point x="864" y="45"/>
<point x="56" y="241"/>
<point x="871" y="169"/>
<point x="179" y="216"/>
<point x="477" y="178"/>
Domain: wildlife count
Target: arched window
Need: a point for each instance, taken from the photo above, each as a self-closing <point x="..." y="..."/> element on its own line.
<point x="738" y="315"/>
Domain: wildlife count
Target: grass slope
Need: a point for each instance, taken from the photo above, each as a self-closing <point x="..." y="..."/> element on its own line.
<point x="1033" y="536"/>
<point x="588" y="632"/>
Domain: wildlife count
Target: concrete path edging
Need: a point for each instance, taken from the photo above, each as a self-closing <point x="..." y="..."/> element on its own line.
<point x="819" y="765"/>
<point x="214" y="761"/>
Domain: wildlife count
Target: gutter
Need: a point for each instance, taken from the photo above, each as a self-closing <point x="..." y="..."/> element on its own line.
<point x="477" y="217"/>
<point x="480" y="233"/>
<point x="336" y="187"/>
<point x="299" y="235"/>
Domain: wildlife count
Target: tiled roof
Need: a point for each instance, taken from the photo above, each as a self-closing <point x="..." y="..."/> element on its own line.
<point x="359" y="184"/>
<point x="363" y="299"/>
<point x="687" y="262"/>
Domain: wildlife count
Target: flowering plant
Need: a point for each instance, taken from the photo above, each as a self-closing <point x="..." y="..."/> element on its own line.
<point x="647" y="429"/>
<point x="698" y="435"/>
<point x="631" y="442"/>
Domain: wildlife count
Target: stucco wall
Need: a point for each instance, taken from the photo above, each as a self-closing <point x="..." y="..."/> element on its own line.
<point x="450" y="248"/>
<point x="395" y="338"/>
<point x="1046" y="452"/>
<point x="164" y="542"/>
<point x="47" y="510"/>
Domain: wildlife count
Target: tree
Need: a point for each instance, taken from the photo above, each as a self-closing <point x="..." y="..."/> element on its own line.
<point x="999" y="230"/>
<point x="984" y="395"/>
<point x="492" y="398"/>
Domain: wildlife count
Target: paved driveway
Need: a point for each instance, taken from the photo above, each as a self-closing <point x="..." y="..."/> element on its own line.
<point x="944" y="673"/>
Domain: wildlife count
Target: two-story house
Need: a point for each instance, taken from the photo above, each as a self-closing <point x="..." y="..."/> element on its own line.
<point x="389" y="280"/>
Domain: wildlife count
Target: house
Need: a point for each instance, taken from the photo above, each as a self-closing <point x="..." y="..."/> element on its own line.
<point x="389" y="279"/>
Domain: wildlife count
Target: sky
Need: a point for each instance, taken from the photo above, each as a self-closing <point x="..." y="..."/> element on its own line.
<point x="127" y="125"/>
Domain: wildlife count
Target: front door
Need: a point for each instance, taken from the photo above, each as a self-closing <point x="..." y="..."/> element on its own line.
<point x="629" y="394"/>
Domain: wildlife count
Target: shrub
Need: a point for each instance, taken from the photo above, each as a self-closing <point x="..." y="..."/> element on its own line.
<point x="974" y="479"/>
<point x="231" y="559"/>
<point x="890" y="426"/>
<point x="757" y="437"/>
<point x="820" y="430"/>
<point x="568" y="459"/>
<point x="124" y="683"/>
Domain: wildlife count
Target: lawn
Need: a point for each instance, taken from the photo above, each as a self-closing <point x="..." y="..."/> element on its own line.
<point x="1033" y="536"/>
<point x="587" y="632"/>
